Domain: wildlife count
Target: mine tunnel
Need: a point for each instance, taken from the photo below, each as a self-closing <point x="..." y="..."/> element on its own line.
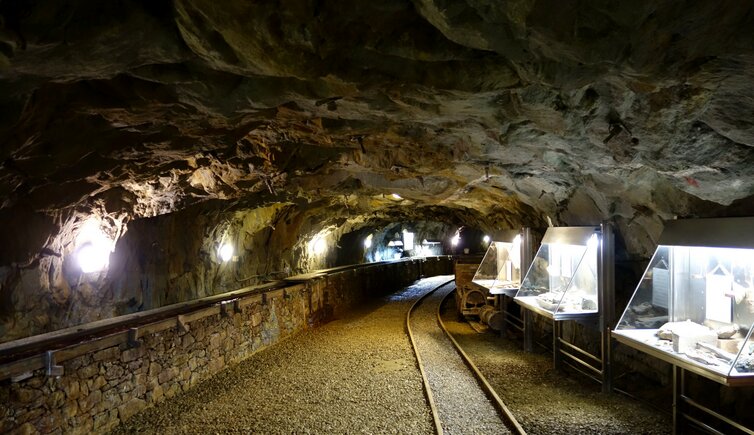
<point x="402" y="216"/>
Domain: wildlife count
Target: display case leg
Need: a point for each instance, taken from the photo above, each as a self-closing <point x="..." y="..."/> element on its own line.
<point x="528" y="332"/>
<point x="503" y="306"/>
<point x="607" y="361"/>
<point x="677" y="393"/>
<point x="556" y="333"/>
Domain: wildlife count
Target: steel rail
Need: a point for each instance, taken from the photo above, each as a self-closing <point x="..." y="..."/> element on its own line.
<point x="425" y="380"/>
<point x="506" y="413"/>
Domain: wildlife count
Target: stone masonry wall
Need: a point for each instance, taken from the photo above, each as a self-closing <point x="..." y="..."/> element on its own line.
<point x="100" y="390"/>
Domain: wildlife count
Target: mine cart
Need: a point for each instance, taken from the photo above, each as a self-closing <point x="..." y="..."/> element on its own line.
<point x="499" y="278"/>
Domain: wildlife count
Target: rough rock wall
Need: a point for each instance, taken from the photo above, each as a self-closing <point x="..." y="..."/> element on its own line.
<point x="480" y="113"/>
<point x="162" y="260"/>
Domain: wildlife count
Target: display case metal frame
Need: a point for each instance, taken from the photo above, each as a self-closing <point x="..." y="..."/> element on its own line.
<point x="716" y="232"/>
<point x="504" y="300"/>
<point x="597" y="367"/>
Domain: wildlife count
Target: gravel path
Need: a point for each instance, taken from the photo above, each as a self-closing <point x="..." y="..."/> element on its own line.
<point x="544" y="401"/>
<point x="461" y="403"/>
<point x="353" y="375"/>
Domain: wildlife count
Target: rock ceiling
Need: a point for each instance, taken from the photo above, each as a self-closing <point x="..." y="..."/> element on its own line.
<point x="510" y="112"/>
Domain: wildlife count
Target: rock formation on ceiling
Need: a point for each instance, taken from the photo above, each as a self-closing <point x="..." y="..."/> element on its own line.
<point x="486" y="113"/>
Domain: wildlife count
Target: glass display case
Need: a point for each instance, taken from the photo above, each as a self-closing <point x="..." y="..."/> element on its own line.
<point x="562" y="281"/>
<point x="694" y="306"/>
<point x="500" y="269"/>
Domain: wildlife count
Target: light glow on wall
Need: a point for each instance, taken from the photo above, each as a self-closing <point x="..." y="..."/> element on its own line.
<point x="368" y="241"/>
<point x="486" y="239"/>
<point x="93" y="247"/>
<point x="225" y="252"/>
<point x="454" y="241"/>
<point x="318" y="244"/>
<point x="396" y="196"/>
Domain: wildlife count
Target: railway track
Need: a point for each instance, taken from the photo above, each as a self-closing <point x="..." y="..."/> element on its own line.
<point x="460" y="397"/>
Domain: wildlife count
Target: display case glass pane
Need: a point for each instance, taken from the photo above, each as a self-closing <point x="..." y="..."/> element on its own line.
<point x="563" y="278"/>
<point x="500" y="270"/>
<point x="696" y="304"/>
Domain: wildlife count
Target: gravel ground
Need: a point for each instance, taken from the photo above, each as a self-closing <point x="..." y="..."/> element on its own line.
<point x="353" y="375"/>
<point x="545" y="402"/>
<point x="461" y="403"/>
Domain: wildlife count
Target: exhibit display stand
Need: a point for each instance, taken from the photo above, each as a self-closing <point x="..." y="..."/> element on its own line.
<point x="572" y="279"/>
<point x="694" y="308"/>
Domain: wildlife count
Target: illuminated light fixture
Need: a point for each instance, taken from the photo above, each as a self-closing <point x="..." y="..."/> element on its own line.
<point x="368" y="241"/>
<point x="486" y="239"/>
<point x="592" y="242"/>
<point x="320" y="246"/>
<point x="396" y="196"/>
<point x="408" y="240"/>
<point x="454" y="241"/>
<point x="225" y="252"/>
<point x="94" y="247"/>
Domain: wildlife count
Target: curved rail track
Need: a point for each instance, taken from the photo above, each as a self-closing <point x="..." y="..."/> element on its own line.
<point x="504" y="413"/>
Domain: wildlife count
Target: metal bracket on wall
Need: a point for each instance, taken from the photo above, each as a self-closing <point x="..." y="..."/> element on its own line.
<point x="51" y="366"/>
<point x="133" y="337"/>
<point x="264" y="298"/>
<point x="182" y="323"/>
<point x="237" y="306"/>
<point x="226" y="309"/>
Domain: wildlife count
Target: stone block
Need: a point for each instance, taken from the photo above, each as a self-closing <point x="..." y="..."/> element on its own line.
<point x="111" y="398"/>
<point x="185" y="374"/>
<point x="215" y="341"/>
<point x="89" y="371"/>
<point x="88" y="402"/>
<point x="26" y="429"/>
<point x="173" y="390"/>
<point x="156" y="395"/>
<point x="26" y="395"/>
<point x="114" y="372"/>
<point x="30" y="415"/>
<point x="129" y="355"/>
<point x="130" y="408"/>
<point x="56" y="399"/>
<point x="97" y="383"/>
<point x="71" y="389"/>
<point x="167" y="375"/>
<point x="139" y="391"/>
<point x="188" y="340"/>
<point x="49" y="422"/>
<point x="154" y="369"/>
<point x="215" y="365"/>
<point x="70" y="409"/>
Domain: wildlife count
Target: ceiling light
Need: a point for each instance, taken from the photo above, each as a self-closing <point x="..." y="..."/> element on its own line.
<point x="396" y="196"/>
<point x="368" y="241"/>
<point x="454" y="241"/>
<point x="486" y="239"/>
